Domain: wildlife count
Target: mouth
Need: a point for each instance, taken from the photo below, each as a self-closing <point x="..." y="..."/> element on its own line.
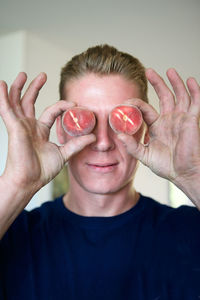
<point x="103" y="167"/>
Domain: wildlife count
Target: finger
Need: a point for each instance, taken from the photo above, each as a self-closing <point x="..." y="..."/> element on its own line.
<point x="75" y="145"/>
<point x="4" y="103"/>
<point x="182" y="96"/>
<point x="6" y="111"/>
<point x="194" y="90"/>
<point x="137" y="150"/>
<point x="149" y="113"/>
<point x="165" y="96"/>
<point x="50" y="114"/>
<point x="15" y="93"/>
<point x="30" y="96"/>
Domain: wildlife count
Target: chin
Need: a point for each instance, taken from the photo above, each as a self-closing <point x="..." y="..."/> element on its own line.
<point x="103" y="189"/>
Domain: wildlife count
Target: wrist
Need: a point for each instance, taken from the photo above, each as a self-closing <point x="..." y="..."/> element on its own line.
<point x="15" y="188"/>
<point x="190" y="187"/>
<point x="13" y="197"/>
<point x="13" y="200"/>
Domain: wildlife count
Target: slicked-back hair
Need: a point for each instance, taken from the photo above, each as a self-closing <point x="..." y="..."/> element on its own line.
<point x="104" y="60"/>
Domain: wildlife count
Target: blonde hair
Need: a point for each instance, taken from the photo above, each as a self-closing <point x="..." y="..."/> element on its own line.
<point x="104" y="60"/>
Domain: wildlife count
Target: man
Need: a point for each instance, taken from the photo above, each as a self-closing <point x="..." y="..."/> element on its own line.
<point x="102" y="240"/>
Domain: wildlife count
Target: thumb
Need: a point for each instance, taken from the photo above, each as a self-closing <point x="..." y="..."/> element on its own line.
<point x="75" y="145"/>
<point x="137" y="150"/>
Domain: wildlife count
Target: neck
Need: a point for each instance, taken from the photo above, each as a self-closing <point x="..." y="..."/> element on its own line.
<point x="86" y="203"/>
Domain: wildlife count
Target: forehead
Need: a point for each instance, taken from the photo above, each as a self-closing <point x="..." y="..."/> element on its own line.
<point x="97" y="92"/>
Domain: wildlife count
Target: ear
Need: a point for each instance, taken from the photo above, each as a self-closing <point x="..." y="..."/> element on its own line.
<point x="61" y="134"/>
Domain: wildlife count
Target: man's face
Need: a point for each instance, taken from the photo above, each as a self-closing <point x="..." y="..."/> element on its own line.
<point x="104" y="166"/>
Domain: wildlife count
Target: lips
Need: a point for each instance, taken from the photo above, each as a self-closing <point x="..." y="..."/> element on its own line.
<point x="102" y="164"/>
<point x="102" y="167"/>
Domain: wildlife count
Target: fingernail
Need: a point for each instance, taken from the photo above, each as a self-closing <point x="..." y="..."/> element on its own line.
<point x="42" y="75"/>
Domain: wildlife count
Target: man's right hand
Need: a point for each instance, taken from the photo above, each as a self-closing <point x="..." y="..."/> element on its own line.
<point x="32" y="159"/>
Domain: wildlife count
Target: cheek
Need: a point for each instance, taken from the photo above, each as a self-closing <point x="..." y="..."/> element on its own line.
<point x="129" y="163"/>
<point x="125" y="157"/>
<point x="76" y="160"/>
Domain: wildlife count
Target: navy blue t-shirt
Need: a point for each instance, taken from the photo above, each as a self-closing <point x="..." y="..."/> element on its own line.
<point x="150" y="252"/>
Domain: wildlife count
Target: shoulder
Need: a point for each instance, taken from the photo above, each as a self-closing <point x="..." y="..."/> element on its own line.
<point x="47" y="210"/>
<point x="175" y="231"/>
<point x="181" y="220"/>
<point x="34" y="221"/>
<point x="180" y="226"/>
<point x="165" y="212"/>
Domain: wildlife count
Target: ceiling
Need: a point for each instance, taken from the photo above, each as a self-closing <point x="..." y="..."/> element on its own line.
<point x="76" y="24"/>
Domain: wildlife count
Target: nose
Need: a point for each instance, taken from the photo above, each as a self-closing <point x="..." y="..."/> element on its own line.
<point x="104" y="137"/>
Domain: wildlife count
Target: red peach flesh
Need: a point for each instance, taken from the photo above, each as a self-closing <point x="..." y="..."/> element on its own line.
<point x="125" y="119"/>
<point x="77" y="121"/>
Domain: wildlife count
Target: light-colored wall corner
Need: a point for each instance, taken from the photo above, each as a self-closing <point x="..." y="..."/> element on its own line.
<point x="23" y="51"/>
<point x="12" y="61"/>
<point x="13" y="55"/>
<point x="44" y="56"/>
